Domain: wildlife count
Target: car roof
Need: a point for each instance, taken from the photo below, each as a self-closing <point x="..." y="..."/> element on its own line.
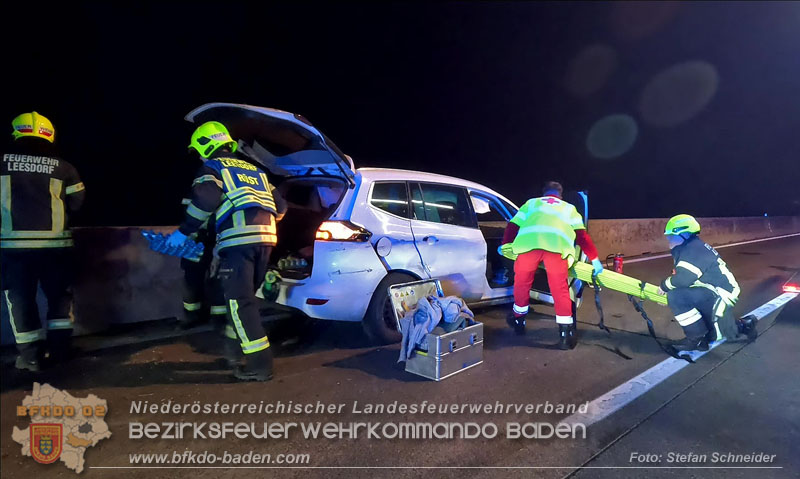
<point x="378" y="174"/>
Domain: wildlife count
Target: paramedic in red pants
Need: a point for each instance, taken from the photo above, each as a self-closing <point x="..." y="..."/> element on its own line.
<point x="546" y="229"/>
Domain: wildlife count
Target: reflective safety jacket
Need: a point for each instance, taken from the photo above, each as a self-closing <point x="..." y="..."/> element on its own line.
<point x="697" y="264"/>
<point x="239" y="194"/>
<point x="547" y="223"/>
<point x="38" y="194"/>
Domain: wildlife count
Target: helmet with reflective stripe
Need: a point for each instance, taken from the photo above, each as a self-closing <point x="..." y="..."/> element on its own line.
<point x="209" y="137"/>
<point x="33" y="124"/>
<point x="682" y="224"/>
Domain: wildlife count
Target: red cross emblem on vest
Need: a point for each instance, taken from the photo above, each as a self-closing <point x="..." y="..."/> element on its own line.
<point x="550" y="200"/>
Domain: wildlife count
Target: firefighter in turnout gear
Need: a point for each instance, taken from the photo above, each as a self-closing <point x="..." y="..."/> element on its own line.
<point x="701" y="291"/>
<point x="202" y="294"/>
<point x="203" y="298"/>
<point x="246" y="210"/>
<point x="545" y="230"/>
<point x="40" y="191"/>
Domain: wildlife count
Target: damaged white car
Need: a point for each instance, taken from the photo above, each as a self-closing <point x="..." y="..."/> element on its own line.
<point x="351" y="233"/>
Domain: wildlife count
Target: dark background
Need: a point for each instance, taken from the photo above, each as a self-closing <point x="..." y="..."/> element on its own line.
<point x="493" y="92"/>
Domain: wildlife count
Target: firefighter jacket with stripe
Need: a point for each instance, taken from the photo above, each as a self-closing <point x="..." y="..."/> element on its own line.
<point x="39" y="192"/>
<point x="547" y="223"/>
<point x="240" y="197"/>
<point x="697" y="264"/>
<point x="205" y="234"/>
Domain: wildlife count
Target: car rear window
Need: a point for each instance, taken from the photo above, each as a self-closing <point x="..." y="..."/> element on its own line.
<point x="391" y="198"/>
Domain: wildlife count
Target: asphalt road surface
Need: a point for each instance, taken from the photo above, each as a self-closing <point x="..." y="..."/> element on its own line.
<point x="738" y="399"/>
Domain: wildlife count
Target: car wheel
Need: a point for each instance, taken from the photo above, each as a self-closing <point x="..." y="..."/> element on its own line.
<point x="379" y="322"/>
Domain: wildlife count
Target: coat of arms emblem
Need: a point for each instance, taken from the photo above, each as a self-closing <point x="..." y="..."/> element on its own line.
<point x="46" y="442"/>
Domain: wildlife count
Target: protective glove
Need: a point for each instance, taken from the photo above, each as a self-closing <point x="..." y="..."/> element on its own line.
<point x="507" y="252"/>
<point x="598" y="266"/>
<point x="270" y="288"/>
<point x="176" y="239"/>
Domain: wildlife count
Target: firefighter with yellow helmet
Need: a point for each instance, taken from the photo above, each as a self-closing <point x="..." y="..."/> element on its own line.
<point x="238" y="194"/>
<point x="702" y="290"/>
<point x="39" y="194"/>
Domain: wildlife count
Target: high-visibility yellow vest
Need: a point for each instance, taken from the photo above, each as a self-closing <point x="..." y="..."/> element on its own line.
<point x="549" y="224"/>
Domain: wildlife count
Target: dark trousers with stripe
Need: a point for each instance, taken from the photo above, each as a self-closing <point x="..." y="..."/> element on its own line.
<point x="694" y="310"/>
<point x="202" y="294"/>
<point x="23" y="271"/>
<point x="241" y="271"/>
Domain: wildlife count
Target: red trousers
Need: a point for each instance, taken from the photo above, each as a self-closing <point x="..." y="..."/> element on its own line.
<point x="557" y="271"/>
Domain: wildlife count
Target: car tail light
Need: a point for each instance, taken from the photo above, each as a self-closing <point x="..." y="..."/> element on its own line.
<point x="342" y="231"/>
<point x="791" y="288"/>
<point x="316" y="301"/>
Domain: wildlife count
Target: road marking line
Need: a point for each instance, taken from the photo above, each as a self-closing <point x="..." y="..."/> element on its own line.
<point x="637" y="260"/>
<point x="767" y="308"/>
<point x="624" y="394"/>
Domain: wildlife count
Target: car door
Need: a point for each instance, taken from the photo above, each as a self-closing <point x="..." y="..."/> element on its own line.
<point x="493" y="215"/>
<point x="447" y="237"/>
<point x="388" y="218"/>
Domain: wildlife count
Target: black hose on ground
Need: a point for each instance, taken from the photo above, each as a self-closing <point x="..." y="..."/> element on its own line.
<point x="639" y="307"/>
<point x="602" y="324"/>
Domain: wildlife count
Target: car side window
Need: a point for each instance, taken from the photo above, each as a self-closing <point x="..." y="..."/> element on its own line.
<point x="391" y="198"/>
<point x="443" y="204"/>
<point x="489" y="210"/>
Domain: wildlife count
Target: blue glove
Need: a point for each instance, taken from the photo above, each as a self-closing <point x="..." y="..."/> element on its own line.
<point x="598" y="266"/>
<point x="176" y="239"/>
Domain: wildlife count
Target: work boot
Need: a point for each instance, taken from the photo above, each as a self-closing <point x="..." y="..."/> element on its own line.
<point x="747" y="327"/>
<point x="567" y="339"/>
<point x="232" y="352"/>
<point x="30" y="357"/>
<point x="517" y="323"/>
<point x="691" y="344"/>
<point x="257" y="367"/>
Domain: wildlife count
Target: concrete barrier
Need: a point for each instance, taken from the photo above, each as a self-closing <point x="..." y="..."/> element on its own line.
<point x="634" y="237"/>
<point x="120" y="280"/>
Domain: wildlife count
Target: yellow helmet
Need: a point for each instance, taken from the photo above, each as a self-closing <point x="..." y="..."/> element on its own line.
<point x="209" y="137"/>
<point x="33" y="124"/>
<point x="682" y="224"/>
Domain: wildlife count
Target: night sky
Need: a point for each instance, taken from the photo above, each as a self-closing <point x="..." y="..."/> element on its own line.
<point x="704" y="97"/>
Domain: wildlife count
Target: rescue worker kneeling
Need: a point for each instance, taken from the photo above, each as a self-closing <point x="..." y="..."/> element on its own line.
<point x="239" y="194"/>
<point x="702" y="290"/>
<point x="545" y="230"/>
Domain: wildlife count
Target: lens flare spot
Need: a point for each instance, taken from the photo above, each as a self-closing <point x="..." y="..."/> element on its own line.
<point x="678" y="93"/>
<point x="590" y="70"/>
<point x="612" y="136"/>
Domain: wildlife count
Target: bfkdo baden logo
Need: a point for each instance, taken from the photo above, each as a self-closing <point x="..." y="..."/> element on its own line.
<point x="62" y="427"/>
<point x="46" y="441"/>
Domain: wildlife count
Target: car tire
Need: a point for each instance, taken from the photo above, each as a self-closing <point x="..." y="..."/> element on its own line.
<point x="379" y="322"/>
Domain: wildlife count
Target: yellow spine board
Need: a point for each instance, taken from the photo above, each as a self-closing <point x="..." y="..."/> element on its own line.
<point x="618" y="282"/>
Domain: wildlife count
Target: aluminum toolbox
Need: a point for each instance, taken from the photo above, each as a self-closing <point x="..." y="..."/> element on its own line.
<point x="446" y="353"/>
